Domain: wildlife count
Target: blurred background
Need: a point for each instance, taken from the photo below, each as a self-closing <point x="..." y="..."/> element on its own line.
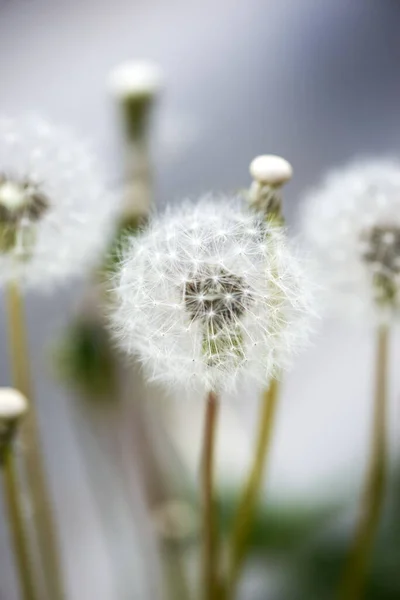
<point x="316" y="82"/>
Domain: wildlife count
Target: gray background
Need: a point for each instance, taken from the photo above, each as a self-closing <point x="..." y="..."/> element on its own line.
<point x="317" y="82"/>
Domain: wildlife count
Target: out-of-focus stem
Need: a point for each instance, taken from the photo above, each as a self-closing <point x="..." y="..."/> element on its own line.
<point x="16" y="521"/>
<point x="210" y="522"/>
<point x="239" y="541"/>
<point x="373" y="497"/>
<point x="32" y="455"/>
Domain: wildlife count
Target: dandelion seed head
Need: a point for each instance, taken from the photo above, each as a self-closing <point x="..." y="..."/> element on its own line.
<point x="352" y="222"/>
<point x="55" y="212"/>
<point x="221" y="314"/>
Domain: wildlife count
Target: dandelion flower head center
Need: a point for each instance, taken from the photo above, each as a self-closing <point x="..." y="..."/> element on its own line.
<point x="381" y="253"/>
<point x="20" y="199"/>
<point x="21" y="204"/>
<point x="216" y="297"/>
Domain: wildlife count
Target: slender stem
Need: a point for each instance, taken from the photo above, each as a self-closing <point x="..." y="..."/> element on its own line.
<point x="174" y="573"/>
<point x="16" y="522"/>
<point x="372" y="501"/>
<point x="248" y="501"/>
<point x="42" y="510"/>
<point x="210" y="525"/>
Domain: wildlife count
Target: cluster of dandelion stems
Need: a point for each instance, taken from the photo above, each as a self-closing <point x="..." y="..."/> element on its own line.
<point x="38" y="494"/>
<point x="382" y="257"/>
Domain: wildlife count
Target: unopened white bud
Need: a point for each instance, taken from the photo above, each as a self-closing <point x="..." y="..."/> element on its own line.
<point x="136" y="78"/>
<point x="272" y="170"/>
<point x="13" y="404"/>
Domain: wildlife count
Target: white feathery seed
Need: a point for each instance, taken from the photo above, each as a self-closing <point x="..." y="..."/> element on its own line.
<point x="209" y="293"/>
<point x="55" y="212"/>
<point x="352" y="223"/>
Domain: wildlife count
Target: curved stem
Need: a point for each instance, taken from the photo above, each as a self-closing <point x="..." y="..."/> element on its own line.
<point x="373" y="497"/>
<point x="32" y="456"/>
<point x="210" y="525"/>
<point x="239" y="541"/>
<point x="16" y="522"/>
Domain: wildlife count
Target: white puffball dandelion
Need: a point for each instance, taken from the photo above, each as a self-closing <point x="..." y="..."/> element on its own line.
<point x="210" y="292"/>
<point x="55" y="213"/>
<point x="352" y="222"/>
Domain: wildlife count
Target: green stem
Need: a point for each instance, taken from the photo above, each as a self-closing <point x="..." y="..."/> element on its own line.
<point x="16" y="522"/>
<point x="210" y="525"/>
<point x="245" y="513"/>
<point x="42" y="510"/>
<point x="372" y="501"/>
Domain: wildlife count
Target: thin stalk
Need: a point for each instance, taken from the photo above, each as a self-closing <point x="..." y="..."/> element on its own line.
<point x="32" y="456"/>
<point x="210" y="524"/>
<point x="174" y="573"/>
<point x="16" y="522"/>
<point x="372" y="500"/>
<point x="246" y="510"/>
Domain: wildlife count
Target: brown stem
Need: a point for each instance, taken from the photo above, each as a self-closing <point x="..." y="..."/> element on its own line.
<point x="210" y="525"/>
<point x="372" y="501"/>
<point x="32" y="455"/>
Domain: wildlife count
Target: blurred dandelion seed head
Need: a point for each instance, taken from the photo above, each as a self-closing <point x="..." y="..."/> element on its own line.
<point x="352" y="222"/>
<point x="209" y="293"/>
<point x="55" y="213"/>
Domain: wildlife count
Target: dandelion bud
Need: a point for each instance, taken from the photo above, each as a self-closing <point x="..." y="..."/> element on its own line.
<point x="13" y="405"/>
<point x="209" y="293"/>
<point x="272" y="170"/>
<point x="269" y="172"/>
<point x="136" y="84"/>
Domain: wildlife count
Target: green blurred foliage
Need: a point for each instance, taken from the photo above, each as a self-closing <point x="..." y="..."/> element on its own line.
<point x="277" y="529"/>
<point x="86" y="360"/>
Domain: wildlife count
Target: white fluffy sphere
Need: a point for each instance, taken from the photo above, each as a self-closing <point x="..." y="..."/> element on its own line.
<point x="211" y="293"/>
<point x="55" y="212"/>
<point x="352" y="223"/>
